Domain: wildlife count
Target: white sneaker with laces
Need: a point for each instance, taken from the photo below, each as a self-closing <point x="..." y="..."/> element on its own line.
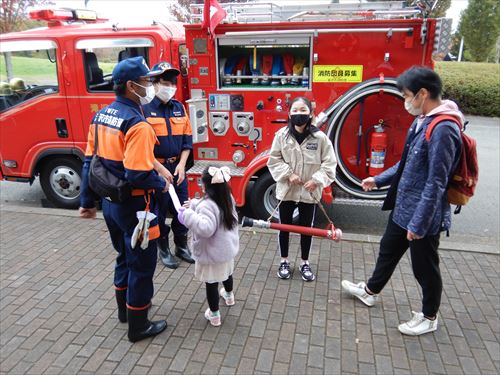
<point x="358" y="290"/>
<point x="418" y="325"/>
<point x="213" y="317"/>
<point x="228" y="297"/>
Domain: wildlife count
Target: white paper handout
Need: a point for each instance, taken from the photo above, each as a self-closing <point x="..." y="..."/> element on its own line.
<point x="175" y="198"/>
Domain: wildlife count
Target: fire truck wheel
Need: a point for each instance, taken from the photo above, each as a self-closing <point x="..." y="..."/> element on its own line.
<point x="263" y="199"/>
<point x="61" y="180"/>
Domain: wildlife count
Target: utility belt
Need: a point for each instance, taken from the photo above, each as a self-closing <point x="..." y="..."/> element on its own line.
<point x="171" y="160"/>
<point x="141" y="192"/>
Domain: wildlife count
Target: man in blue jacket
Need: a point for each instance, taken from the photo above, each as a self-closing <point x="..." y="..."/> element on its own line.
<point x="417" y="197"/>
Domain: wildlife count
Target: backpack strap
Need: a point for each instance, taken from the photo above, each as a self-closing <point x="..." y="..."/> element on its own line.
<point x="436" y="120"/>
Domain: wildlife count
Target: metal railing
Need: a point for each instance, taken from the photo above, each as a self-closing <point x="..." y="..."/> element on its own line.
<point x="272" y="12"/>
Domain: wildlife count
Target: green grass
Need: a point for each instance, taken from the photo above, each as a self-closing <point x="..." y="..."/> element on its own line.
<point x="36" y="70"/>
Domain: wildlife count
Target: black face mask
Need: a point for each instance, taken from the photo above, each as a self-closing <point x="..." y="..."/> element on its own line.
<point x="299" y="120"/>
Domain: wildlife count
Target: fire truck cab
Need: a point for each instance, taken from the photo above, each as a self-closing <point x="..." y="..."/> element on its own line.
<point x="54" y="80"/>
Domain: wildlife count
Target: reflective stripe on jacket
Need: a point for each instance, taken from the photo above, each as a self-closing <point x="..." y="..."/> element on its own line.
<point x="171" y="125"/>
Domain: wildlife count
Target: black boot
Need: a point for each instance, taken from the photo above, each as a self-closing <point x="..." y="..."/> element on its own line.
<point x="165" y="255"/>
<point x="182" y="249"/>
<point x="140" y="327"/>
<point x="121" y="301"/>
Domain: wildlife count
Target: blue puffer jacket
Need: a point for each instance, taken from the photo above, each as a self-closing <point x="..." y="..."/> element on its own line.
<point x="421" y="201"/>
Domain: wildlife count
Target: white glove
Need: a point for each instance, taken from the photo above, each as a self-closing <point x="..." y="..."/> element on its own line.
<point x="141" y="230"/>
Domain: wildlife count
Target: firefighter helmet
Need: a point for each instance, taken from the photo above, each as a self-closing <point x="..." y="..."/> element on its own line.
<point x="17" y="84"/>
<point x="5" y="89"/>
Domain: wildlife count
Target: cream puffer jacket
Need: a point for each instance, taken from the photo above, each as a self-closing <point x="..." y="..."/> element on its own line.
<point x="313" y="159"/>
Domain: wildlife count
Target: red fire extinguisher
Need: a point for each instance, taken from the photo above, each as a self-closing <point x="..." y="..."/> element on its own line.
<point x="378" y="149"/>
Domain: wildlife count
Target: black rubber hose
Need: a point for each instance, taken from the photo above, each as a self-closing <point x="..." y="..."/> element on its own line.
<point x="349" y="182"/>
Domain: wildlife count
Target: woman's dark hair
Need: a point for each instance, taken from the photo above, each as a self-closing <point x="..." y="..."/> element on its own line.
<point x="419" y="77"/>
<point x="221" y="195"/>
<point x="309" y="129"/>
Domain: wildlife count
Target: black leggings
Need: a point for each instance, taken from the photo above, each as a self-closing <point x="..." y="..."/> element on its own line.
<point x="306" y="216"/>
<point x="213" y="293"/>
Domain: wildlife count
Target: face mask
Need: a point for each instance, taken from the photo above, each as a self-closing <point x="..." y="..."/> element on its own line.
<point x="150" y="94"/>
<point x="411" y="109"/>
<point x="165" y="93"/>
<point x="299" y="120"/>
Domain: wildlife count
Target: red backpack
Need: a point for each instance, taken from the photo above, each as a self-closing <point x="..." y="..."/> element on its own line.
<point x="463" y="182"/>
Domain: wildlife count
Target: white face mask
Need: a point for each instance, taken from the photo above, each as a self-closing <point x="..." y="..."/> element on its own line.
<point x="150" y="94"/>
<point x="411" y="109"/>
<point x="165" y="93"/>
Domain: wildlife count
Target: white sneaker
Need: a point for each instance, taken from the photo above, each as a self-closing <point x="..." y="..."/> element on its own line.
<point x="213" y="317"/>
<point x="358" y="290"/>
<point x="418" y="325"/>
<point x="228" y="297"/>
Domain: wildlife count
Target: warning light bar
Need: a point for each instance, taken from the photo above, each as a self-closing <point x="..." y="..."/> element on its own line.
<point x="55" y="15"/>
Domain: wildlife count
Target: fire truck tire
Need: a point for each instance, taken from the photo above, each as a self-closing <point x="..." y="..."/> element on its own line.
<point x="60" y="179"/>
<point x="263" y="198"/>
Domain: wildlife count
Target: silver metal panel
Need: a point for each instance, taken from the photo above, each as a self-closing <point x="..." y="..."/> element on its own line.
<point x="200" y="165"/>
<point x="26" y="45"/>
<point x="112" y="43"/>
<point x="263" y="38"/>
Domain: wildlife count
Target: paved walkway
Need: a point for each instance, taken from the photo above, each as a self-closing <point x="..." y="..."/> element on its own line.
<point x="58" y="311"/>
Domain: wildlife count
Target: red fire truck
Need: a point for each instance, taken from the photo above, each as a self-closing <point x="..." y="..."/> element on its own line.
<point x="236" y="85"/>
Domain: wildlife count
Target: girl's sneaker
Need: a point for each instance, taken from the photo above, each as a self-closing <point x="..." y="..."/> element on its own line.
<point x="213" y="317"/>
<point x="228" y="297"/>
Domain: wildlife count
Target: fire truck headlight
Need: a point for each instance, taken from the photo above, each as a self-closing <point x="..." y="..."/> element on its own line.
<point x="10" y="163"/>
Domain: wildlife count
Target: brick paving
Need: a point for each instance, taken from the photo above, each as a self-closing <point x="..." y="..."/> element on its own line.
<point x="58" y="315"/>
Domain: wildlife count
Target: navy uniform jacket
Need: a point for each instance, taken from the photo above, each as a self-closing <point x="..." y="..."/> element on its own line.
<point x="125" y="144"/>
<point x="172" y="127"/>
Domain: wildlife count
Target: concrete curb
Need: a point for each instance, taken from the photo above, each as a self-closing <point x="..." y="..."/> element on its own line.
<point x="350" y="237"/>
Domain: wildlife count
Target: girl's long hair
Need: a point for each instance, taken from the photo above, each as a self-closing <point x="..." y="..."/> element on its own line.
<point x="221" y="195"/>
<point x="309" y="129"/>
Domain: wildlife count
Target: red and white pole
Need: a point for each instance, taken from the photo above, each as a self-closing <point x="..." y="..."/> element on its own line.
<point x="330" y="232"/>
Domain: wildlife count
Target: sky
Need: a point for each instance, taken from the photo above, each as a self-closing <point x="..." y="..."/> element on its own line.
<point x="148" y="10"/>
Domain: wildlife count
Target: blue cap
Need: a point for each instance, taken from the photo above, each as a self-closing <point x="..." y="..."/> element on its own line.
<point x="163" y="67"/>
<point x="132" y="69"/>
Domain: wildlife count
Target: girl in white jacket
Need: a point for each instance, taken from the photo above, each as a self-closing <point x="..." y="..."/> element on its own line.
<point x="302" y="163"/>
<point x="213" y="222"/>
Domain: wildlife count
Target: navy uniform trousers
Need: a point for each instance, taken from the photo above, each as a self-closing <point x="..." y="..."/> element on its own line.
<point x="134" y="267"/>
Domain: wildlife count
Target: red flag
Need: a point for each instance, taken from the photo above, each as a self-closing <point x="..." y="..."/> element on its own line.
<point x="213" y="14"/>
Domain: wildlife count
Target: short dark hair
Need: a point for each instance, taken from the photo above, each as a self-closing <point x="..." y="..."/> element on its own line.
<point x="420" y="77"/>
<point x="120" y="88"/>
<point x="167" y="76"/>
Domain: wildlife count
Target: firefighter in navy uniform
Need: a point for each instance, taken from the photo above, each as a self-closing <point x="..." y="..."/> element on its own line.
<point x="125" y="144"/>
<point x="168" y="118"/>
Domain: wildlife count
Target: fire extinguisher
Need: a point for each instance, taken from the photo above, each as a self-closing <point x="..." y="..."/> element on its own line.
<point x="378" y="149"/>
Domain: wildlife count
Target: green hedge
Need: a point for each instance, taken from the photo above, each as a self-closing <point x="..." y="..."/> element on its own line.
<point x="475" y="87"/>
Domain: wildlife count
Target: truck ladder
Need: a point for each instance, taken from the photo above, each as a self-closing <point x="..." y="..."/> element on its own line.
<point x="271" y="12"/>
